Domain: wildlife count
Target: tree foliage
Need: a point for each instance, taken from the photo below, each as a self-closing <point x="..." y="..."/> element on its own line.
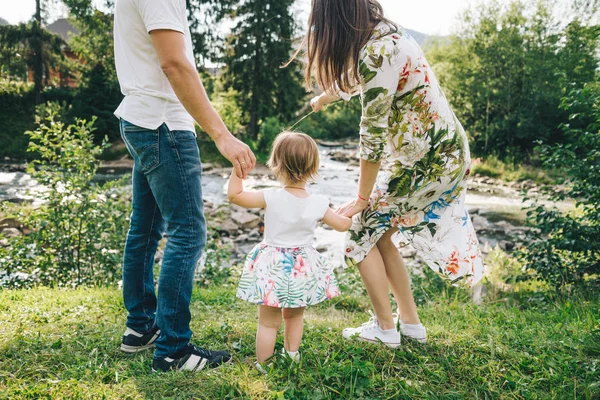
<point x="508" y="68"/>
<point x="19" y="50"/>
<point x="259" y="44"/>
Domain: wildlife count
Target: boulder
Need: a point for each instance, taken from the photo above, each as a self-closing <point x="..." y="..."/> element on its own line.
<point x="245" y="220"/>
<point x="227" y="226"/>
<point x="480" y="223"/>
<point x="322" y="248"/>
<point x="506" y="245"/>
<point x="254" y="234"/>
<point x="408" y="252"/>
<point x="10" y="232"/>
<point x="242" y="238"/>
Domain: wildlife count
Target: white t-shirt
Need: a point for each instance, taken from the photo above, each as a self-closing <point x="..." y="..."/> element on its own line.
<point x="291" y="221"/>
<point x="149" y="98"/>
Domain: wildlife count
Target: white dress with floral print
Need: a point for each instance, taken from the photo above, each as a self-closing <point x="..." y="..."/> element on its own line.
<point x="409" y="127"/>
<point x="285" y="270"/>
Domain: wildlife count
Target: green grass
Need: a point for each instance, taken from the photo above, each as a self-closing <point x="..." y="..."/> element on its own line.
<point x="62" y="344"/>
<point x="493" y="167"/>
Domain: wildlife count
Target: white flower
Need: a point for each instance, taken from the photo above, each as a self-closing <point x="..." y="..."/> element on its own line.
<point x="430" y="193"/>
<point x="413" y="149"/>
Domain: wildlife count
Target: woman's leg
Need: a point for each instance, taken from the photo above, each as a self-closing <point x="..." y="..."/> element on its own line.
<point x="269" y="321"/>
<point x="373" y="273"/>
<point x="398" y="278"/>
<point x="294" y="325"/>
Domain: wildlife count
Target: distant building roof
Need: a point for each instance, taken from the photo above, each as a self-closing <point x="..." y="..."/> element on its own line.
<point x="63" y="28"/>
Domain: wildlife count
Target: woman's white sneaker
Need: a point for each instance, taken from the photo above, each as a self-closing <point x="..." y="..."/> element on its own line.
<point x="412" y="331"/>
<point x="372" y="332"/>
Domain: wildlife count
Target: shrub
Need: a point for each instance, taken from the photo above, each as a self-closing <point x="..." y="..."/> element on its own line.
<point x="565" y="246"/>
<point x="78" y="232"/>
<point x="337" y="121"/>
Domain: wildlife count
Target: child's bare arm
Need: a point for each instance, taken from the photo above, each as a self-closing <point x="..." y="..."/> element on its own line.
<point x="237" y="195"/>
<point x="336" y="221"/>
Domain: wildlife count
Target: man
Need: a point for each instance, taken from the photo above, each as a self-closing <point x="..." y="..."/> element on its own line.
<point x="163" y="97"/>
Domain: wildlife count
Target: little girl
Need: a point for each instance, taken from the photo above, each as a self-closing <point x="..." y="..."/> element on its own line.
<point x="284" y="273"/>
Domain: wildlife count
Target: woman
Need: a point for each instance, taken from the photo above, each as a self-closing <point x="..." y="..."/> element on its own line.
<point x="414" y="160"/>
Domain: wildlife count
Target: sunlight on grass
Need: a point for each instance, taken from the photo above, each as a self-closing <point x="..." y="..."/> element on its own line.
<point x="59" y="343"/>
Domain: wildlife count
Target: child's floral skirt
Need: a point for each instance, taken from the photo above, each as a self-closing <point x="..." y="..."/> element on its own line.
<point x="286" y="277"/>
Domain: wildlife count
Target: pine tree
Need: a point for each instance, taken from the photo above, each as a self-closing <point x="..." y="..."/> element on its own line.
<point x="260" y="43"/>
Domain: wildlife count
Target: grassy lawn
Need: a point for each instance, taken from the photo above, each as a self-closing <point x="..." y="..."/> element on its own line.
<point x="59" y="344"/>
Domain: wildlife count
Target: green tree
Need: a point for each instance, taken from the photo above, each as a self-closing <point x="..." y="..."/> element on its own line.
<point x="508" y="68"/>
<point x="27" y="45"/>
<point x="260" y="43"/>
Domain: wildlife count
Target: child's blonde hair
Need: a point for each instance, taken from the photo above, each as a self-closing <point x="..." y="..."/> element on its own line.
<point x="294" y="158"/>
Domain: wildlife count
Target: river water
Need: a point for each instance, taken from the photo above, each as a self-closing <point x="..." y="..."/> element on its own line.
<point x="337" y="181"/>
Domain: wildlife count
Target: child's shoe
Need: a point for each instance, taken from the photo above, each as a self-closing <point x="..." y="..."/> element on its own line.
<point x="294" y="355"/>
<point x="263" y="369"/>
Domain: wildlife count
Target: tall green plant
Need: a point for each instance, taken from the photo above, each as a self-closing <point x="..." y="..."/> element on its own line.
<point x="78" y="232"/>
<point x="565" y="246"/>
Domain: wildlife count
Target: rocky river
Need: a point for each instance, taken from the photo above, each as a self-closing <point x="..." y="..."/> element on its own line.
<point x="496" y="207"/>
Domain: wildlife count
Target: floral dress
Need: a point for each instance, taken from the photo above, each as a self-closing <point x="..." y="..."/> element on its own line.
<point x="408" y="126"/>
<point x="285" y="270"/>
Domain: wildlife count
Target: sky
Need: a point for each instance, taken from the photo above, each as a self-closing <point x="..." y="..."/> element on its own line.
<point x="427" y="16"/>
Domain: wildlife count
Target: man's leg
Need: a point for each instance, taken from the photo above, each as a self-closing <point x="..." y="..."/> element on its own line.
<point x="176" y="185"/>
<point x="145" y="231"/>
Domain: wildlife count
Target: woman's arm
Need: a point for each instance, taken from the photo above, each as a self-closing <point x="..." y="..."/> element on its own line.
<point x="366" y="182"/>
<point x="380" y="76"/>
<point x="237" y="195"/>
<point x="336" y="221"/>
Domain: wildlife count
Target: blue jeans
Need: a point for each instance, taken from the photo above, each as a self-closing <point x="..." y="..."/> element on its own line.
<point x="167" y="195"/>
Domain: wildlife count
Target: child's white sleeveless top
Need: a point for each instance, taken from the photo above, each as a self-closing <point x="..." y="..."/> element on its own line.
<point x="291" y="221"/>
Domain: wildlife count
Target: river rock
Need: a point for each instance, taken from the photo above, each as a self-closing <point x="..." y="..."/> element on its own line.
<point x="344" y="157"/>
<point x="254" y="234"/>
<point x="242" y="238"/>
<point x="480" y="223"/>
<point x="227" y="226"/>
<point x="246" y="220"/>
<point x="322" y="248"/>
<point x="506" y="245"/>
<point x="3" y="243"/>
<point x="408" y="252"/>
<point x="10" y="232"/>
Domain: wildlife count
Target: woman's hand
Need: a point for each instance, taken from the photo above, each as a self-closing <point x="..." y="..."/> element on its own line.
<point x="316" y="103"/>
<point x="352" y="208"/>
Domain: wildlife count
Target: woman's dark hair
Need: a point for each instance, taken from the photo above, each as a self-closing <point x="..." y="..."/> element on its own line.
<point x="337" y="32"/>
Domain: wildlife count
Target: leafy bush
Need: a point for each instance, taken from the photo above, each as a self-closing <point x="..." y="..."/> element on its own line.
<point x="337" y="121"/>
<point x="78" y="232"/>
<point x="565" y="247"/>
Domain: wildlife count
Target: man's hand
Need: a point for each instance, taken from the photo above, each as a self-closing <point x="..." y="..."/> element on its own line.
<point x="238" y="153"/>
